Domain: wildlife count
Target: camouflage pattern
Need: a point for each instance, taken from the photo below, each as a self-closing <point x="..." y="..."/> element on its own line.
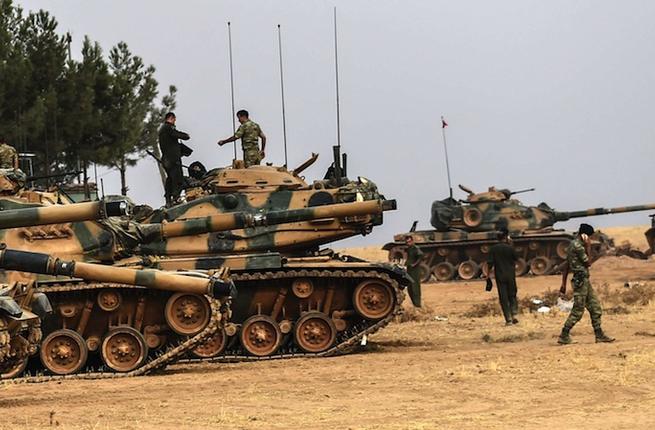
<point x="249" y="133"/>
<point x="299" y="282"/>
<point x="583" y="293"/>
<point x="8" y="157"/>
<point x="464" y="231"/>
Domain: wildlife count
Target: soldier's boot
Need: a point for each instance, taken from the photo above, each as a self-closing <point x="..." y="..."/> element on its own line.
<point x="602" y="337"/>
<point x="565" y="337"/>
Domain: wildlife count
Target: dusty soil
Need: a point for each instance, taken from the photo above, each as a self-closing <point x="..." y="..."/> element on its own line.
<point x="454" y="371"/>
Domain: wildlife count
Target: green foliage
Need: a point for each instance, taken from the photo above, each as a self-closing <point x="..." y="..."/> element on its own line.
<point x="72" y="113"/>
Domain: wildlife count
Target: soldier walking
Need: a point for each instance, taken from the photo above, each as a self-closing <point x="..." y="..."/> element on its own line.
<point x="249" y="132"/>
<point x="8" y="155"/>
<point x="502" y="261"/>
<point x="171" y="149"/>
<point x="578" y="262"/>
<point x="414" y="256"/>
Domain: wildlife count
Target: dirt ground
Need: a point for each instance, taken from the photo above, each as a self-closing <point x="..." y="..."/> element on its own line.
<point x="450" y="365"/>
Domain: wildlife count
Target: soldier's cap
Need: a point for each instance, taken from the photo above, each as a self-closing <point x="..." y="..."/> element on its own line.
<point x="170" y="115"/>
<point x="586" y="229"/>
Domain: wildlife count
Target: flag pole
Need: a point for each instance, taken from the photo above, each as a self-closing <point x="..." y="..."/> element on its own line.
<point x="444" y="124"/>
<point x="284" y="117"/>
<point x="234" y="129"/>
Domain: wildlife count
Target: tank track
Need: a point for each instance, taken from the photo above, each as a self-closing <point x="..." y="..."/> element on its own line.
<point x="172" y="354"/>
<point x="347" y="341"/>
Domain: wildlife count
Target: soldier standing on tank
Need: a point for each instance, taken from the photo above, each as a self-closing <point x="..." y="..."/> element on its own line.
<point x="578" y="262"/>
<point x="8" y="155"/>
<point x="413" y="262"/>
<point x="171" y="158"/>
<point x="249" y="132"/>
<point x="502" y="261"/>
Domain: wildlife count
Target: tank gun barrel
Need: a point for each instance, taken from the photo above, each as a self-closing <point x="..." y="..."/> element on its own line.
<point x="526" y="190"/>
<point x="237" y="220"/>
<point x="563" y="216"/>
<point x="45" y="264"/>
<point x="57" y="214"/>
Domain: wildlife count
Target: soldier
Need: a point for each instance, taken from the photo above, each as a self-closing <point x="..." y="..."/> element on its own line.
<point x="8" y="155"/>
<point x="414" y="256"/>
<point x="578" y="262"/>
<point x="172" y="151"/>
<point x="249" y="132"/>
<point x="502" y="260"/>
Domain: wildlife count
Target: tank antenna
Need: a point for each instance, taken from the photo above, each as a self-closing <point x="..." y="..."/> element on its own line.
<point x="284" y="116"/>
<point x="234" y="129"/>
<point x="336" y="75"/>
<point x="444" y="124"/>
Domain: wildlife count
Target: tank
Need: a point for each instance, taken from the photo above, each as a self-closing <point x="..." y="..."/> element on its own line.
<point x="126" y="320"/>
<point x="328" y="302"/>
<point x="465" y="229"/>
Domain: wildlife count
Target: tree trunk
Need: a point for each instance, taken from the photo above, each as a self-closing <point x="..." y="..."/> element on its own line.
<point x="123" y="169"/>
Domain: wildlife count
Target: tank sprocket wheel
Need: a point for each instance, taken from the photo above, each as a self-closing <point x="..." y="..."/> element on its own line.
<point x="64" y="352"/>
<point x="124" y="349"/>
<point x="187" y="314"/>
<point x="521" y="267"/>
<point x="468" y="270"/>
<point x="373" y="299"/>
<point x="444" y="271"/>
<point x="540" y="266"/>
<point x="260" y="335"/>
<point x="16" y="360"/>
<point x="213" y="346"/>
<point x="315" y="332"/>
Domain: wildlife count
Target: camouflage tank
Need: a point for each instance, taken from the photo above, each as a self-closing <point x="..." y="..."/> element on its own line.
<point x="298" y="300"/>
<point x="326" y="303"/>
<point x="136" y="321"/>
<point x="464" y="231"/>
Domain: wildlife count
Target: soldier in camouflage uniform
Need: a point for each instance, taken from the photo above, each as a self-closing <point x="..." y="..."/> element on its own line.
<point x="413" y="263"/>
<point x="8" y="155"/>
<point x="249" y="132"/>
<point x="578" y="263"/>
<point x="171" y="158"/>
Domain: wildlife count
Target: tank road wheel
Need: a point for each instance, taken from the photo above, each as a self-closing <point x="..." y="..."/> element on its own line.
<point x="64" y="352"/>
<point x="260" y="335"/>
<point x="484" y="268"/>
<point x="373" y="299"/>
<point x="124" y="349"/>
<point x="521" y="267"/>
<point x="472" y="217"/>
<point x="211" y="347"/>
<point x="562" y="249"/>
<point x="540" y="266"/>
<point x="315" y="332"/>
<point x="444" y="271"/>
<point x="424" y="272"/>
<point x="468" y="270"/>
<point x="187" y="314"/>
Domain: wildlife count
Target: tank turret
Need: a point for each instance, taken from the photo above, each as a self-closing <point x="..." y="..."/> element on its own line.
<point x="496" y="209"/>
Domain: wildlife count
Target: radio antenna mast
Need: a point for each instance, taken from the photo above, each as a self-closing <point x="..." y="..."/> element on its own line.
<point x="234" y="129"/>
<point x="284" y="116"/>
<point x="336" y="75"/>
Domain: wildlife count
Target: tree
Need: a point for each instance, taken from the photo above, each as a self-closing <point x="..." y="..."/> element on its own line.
<point x="132" y="91"/>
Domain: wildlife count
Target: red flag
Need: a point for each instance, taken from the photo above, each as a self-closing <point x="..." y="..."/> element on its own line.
<point x="444" y="124"/>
